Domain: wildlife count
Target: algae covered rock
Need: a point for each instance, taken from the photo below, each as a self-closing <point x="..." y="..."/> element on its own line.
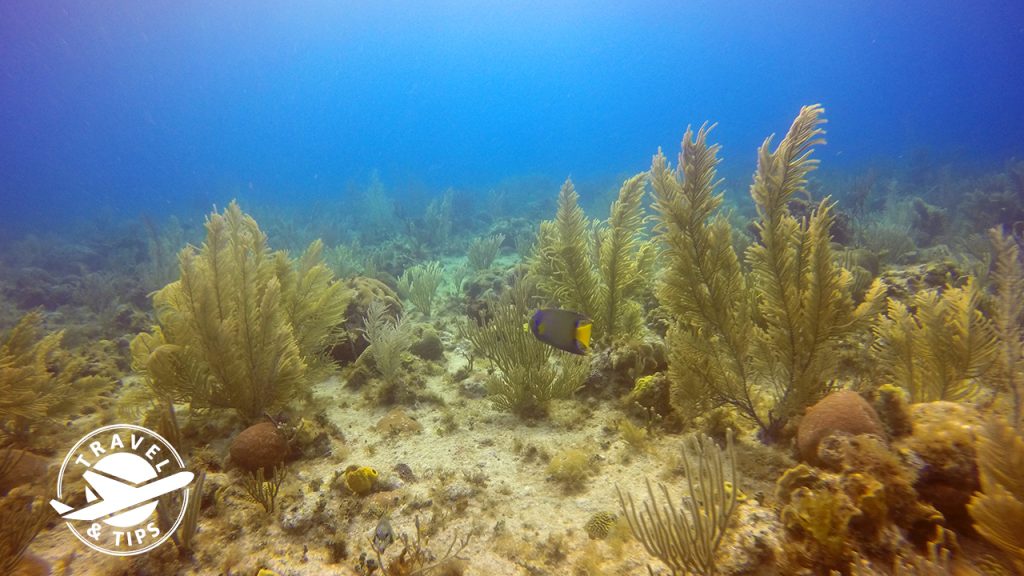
<point x="259" y="446"/>
<point x="866" y="507"/>
<point x="841" y="412"/>
<point x="427" y="344"/>
<point x="943" y="445"/>
<point x="894" y="410"/>
<point x="364" y="291"/>
<point x="397" y="422"/>
<point x="754" y="541"/>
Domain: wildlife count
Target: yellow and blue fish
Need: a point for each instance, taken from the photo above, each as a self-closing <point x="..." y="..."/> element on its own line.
<point x="563" y="329"/>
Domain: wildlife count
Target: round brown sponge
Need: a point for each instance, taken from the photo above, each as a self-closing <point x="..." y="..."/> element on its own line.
<point x="841" y="412"/>
<point x="259" y="446"/>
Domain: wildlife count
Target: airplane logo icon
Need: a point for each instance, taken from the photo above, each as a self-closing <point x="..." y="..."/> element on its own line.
<point x="119" y="495"/>
<point x="126" y="473"/>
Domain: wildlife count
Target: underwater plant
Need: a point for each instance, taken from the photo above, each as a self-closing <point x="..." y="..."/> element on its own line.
<point x="571" y="467"/>
<point x="263" y="489"/>
<point x="37" y="383"/>
<point x="483" y="251"/>
<point x="762" y="342"/>
<point x="415" y="558"/>
<point x="377" y="219"/>
<point x="243" y="328"/>
<point x="162" y="244"/>
<point x="344" y="260"/>
<point x="389" y="339"/>
<point x="599" y="270"/>
<point x="562" y="261"/>
<point x="998" y="510"/>
<point x="1008" y="317"/>
<point x="942" y="350"/>
<point x="27" y="386"/>
<point x="686" y="536"/>
<point x="529" y="376"/>
<point x="419" y="285"/>
<point x="185" y="536"/>
<point x="436" y="229"/>
<point x="23" y="518"/>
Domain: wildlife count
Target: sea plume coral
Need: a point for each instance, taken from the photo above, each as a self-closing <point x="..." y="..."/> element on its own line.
<point x="243" y="326"/>
<point x="998" y="510"/>
<point x="941" y="350"/>
<point x="530" y="374"/>
<point x="38" y="380"/>
<point x="763" y="342"/>
<point x="598" y="269"/>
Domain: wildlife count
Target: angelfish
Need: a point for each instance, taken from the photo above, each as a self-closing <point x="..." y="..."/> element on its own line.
<point x="563" y="329"/>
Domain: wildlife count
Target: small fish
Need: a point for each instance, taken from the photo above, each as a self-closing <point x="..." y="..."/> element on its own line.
<point x="563" y="329"/>
<point x="383" y="536"/>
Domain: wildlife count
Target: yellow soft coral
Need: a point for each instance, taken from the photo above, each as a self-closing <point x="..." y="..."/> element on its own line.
<point x="642" y="384"/>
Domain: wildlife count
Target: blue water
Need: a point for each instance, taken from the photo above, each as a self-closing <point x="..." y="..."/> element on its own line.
<point x="170" y="107"/>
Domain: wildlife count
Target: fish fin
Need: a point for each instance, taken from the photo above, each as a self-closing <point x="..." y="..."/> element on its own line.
<point x="583" y="335"/>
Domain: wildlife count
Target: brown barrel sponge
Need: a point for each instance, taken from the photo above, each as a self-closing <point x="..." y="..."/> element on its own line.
<point x="842" y="412"/>
<point x="259" y="446"/>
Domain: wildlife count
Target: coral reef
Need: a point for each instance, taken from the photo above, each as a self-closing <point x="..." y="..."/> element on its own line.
<point x="853" y="509"/>
<point x="941" y="450"/>
<point x="397" y="422"/>
<point x="600" y="525"/>
<point x="427" y="343"/>
<point x="893" y="371"/>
